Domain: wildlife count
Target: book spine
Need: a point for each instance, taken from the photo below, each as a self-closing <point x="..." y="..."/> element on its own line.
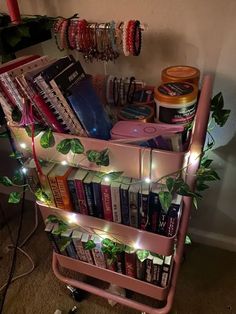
<point x="59" y="241"/>
<point x="6" y="107"/>
<point x="70" y="249"/>
<point x="111" y="265"/>
<point x="98" y="256"/>
<point x="162" y="223"/>
<point x="172" y="220"/>
<point x="74" y="198"/>
<point x="130" y="264"/>
<point x="133" y="209"/>
<point x="97" y="200"/>
<point x="45" y="185"/>
<point x="115" y="200"/>
<point x="124" y="198"/>
<point x="141" y="269"/>
<point x="56" y="192"/>
<point x="107" y="202"/>
<point x="81" y="197"/>
<point x="165" y="275"/>
<point x="64" y="191"/>
<point x="144" y="212"/>
<point x="120" y="263"/>
<point x="149" y="270"/>
<point x="88" y="254"/>
<point x="154" y="206"/>
<point x="89" y="197"/>
<point x="157" y="271"/>
<point x="11" y="90"/>
<point x="80" y="250"/>
<point x="53" y="242"/>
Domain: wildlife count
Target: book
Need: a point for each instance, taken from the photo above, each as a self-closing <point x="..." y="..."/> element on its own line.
<point x="173" y="216"/>
<point x="88" y="188"/>
<point x="115" y="201"/>
<point x="157" y="270"/>
<point x="149" y="269"/>
<point x="76" y="238"/>
<point x="124" y="200"/>
<point x="144" y="206"/>
<point x="88" y="109"/>
<point x="141" y="269"/>
<point x="88" y="253"/>
<point x="166" y="270"/>
<point x="120" y="263"/>
<point x="130" y="263"/>
<point x="106" y="200"/>
<point x="17" y="62"/>
<point x="44" y="181"/>
<point x="60" y="242"/>
<point x="60" y="107"/>
<point x="55" y="189"/>
<point x="97" y="195"/>
<point x="48" y="229"/>
<point x="134" y="203"/>
<point x="161" y="229"/>
<point x="72" y="190"/>
<point x="97" y="253"/>
<point x="80" y="191"/>
<point x="69" y="246"/>
<point x="154" y="206"/>
<point x="110" y="264"/>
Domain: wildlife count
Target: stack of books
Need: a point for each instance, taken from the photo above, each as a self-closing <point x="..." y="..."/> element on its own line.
<point x="126" y="201"/>
<point x="61" y="94"/>
<point x="155" y="269"/>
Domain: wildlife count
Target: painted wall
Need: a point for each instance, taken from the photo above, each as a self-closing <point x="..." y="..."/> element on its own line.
<point x="194" y="32"/>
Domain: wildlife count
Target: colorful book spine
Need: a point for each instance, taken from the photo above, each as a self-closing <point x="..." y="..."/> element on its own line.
<point x="59" y="241"/>
<point x="56" y="192"/>
<point x="149" y="269"/>
<point x="166" y="269"/>
<point x="74" y="198"/>
<point x="130" y="264"/>
<point x="141" y="269"/>
<point x="88" y="188"/>
<point x="120" y="263"/>
<point x="110" y="264"/>
<point x="97" y="253"/>
<point x="162" y="223"/>
<point x="173" y="217"/>
<point x="124" y="198"/>
<point x="48" y="229"/>
<point x="134" y="204"/>
<point x="70" y="248"/>
<point x="107" y="201"/>
<point x="97" y="197"/>
<point x="88" y="253"/>
<point x="157" y="270"/>
<point x="115" y="201"/>
<point x="144" y="207"/>
<point x="64" y="191"/>
<point x="154" y="206"/>
<point x="81" y="197"/>
<point x="76" y="238"/>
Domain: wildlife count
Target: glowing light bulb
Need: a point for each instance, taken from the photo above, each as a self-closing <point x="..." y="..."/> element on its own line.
<point x="23" y="145"/>
<point x="72" y="219"/>
<point x="24" y="170"/>
<point x="194" y="157"/>
<point x="136" y="245"/>
<point x="64" y="162"/>
<point x="147" y="180"/>
<point x="106" y="179"/>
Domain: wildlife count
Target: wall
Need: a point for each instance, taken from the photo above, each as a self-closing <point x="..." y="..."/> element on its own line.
<point x="197" y="32"/>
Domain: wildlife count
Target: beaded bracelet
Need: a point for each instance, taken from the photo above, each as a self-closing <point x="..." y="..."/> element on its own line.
<point x="125" y="49"/>
<point x="72" y="29"/>
<point x="137" y="39"/>
<point x="130" y="36"/>
<point x="57" y="29"/>
<point x="130" y="95"/>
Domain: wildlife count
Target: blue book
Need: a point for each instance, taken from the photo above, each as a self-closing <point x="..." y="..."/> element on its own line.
<point x="124" y="200"/>
<point x="89" y="109"/>
<point x="72" y="190"/>
<point x="97" y="195"/>
<point x="88" y="188"/>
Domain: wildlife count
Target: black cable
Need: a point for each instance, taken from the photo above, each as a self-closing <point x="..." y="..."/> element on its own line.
<point x="14" y="257"/>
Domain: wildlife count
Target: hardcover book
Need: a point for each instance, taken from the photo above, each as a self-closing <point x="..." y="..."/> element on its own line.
<point x="72" y="190"/>
<point x="134" y="203"/>
<point x="79" y="177"/>
<point x="106" y="200"/>
<point x="149" y="269"/>
<point x="173" y="216"/>
<point x="55" y="189"/>
<point x="44" y="181"/>
<point x="97" y="253"/>
<point x="67" y="239"/>
<point x="154" y="206"/>
<point x="97" y="195"/>
<point x="144" y="206"/>
<point x="166" y="269"/>
<point x="130" y="263"/>
<point x="88" y="188"/>
<point x="141" y="269"/>
<point x="60" y="242"/>
<point x="48" y="229"/>
<point x="88" y="253"/>
<point x="76" y="238"/>
<point x="115" y="202"/>
<point x="157" y="270"/>
<point x="124" y="199"/>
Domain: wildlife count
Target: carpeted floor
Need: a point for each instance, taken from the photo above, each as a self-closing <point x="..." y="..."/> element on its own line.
<point x="207" y="282"/>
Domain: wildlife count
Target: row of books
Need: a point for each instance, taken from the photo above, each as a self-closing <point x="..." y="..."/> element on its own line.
<point x="126" y="201"/>
<point x="154" y="269"/>
<point x="61" y="93"/>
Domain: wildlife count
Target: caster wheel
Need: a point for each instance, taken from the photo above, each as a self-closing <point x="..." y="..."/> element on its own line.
<point x="77" y="294"/>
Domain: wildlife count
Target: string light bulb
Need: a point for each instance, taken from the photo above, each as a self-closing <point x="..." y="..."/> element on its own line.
<point x="147" y="180"/>
<point x="194" y="157"/>
<point x="72" y="218"/>
<point x="24" y="170"/>
<point x="64" y="163"/>
<point x="106" y="179"/>
<point x="23" y="145"/>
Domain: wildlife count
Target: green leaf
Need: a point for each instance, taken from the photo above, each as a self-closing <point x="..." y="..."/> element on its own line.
<point x="142" y="255"/>
<point x="14" y="198"/>
<point x="37" y="130"/>
<point x="129" y="249"/>
<point x="103" y="158"/>
<point x="42" y="196"/>
<point x="76" y="146"/>
<point x="23" y="30"/>
<point x="195" y="202"/>
<point x="64" y="146"/>
<point x="217" y="102"/>
<point x="52" y="218"/>
<point x="93" y="155"/>
<point x="165" y="200"/>
<point x="224" y="117"/>
<point x="188" y="240"/>
<point x="201" y="186"/>
<point x="16" y="155"/>
<point x="3" y="135"/>
<point x="89" y="245"/>
<point x="6" y="181"/>
<point x="47" y="139"/>
<point x="18" y="178"/>
<point x="64" y="243"/>
<point x="114" y="175"/>
<point x="206" y="162"/>
<point x="170" y="182"/>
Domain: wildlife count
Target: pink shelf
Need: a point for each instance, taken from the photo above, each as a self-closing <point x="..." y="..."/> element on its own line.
<point x="113" y="277"/>
<point x="131" y="236"/>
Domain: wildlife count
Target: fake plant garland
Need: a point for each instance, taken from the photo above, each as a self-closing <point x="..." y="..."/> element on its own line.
<point x="174" y="182"/>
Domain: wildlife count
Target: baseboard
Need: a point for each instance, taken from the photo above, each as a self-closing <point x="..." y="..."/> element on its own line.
<point x="213" y="239"/>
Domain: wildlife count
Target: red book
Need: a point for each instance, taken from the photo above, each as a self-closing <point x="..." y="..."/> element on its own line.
<point x="16" y="63"/>
<point x="79" y="177"/>
<point x="130" y="263"/>
<point x="106" y="200"/>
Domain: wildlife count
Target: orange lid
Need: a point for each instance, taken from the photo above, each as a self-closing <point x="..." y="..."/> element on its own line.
<point x="176" y="92"/>
<point x="180" y="73"/>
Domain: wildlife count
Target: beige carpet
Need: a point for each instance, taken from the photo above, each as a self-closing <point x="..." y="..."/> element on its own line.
<point x="207" y="283"/>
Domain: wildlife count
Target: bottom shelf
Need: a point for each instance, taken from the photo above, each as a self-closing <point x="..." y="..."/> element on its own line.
<point x="114" y="278"/>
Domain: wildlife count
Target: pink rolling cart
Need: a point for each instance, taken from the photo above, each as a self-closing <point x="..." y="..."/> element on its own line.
<point x="133" y="160"/>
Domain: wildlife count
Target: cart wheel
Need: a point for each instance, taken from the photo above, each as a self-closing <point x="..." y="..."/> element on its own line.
<point x="143" y="312"/>
<point x="77" y="294"/>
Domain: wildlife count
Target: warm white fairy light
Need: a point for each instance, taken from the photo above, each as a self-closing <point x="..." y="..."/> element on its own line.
<point x="147" y="180"/>
<point x="24" y="170"/>
<point x="106" y="179"/>
<point x="136" y="245"/>
<point x="23" y="145"/>
<point x="194" y="157"/>
<point x="72" y="218"/>
<point x="64" y="162"/>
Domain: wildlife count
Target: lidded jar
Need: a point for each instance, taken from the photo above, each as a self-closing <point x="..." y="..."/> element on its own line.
<point x="180" y="73"/>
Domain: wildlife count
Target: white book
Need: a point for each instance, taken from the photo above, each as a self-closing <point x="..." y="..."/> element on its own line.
<point x="115" y="200"/>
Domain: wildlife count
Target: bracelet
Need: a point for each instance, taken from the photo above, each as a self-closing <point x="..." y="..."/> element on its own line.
<point x="108" y="90"/>
<point x="130" y="36"/>
<point x="56" y="29"/>
<point x="72" y="28"/>
<point x="130" y="95"/>
<point x="125" y="49"/>
<point x="137" y="43"/>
